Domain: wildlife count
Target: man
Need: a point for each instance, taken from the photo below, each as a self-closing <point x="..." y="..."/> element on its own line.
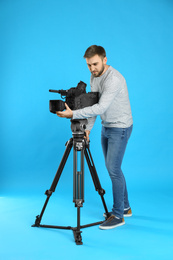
<point x="115" y="112"/>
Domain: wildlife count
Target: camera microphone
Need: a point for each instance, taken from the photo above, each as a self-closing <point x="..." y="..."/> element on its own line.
<point x="62" y="92"/>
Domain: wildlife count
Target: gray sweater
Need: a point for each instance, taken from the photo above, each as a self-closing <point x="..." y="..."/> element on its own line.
<point x="114" y="105"/>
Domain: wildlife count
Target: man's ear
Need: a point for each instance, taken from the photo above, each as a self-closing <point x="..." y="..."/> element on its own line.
<point x="105" y="60"/>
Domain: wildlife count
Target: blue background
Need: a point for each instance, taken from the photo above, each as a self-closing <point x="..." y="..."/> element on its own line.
<point x="42" y="44"/>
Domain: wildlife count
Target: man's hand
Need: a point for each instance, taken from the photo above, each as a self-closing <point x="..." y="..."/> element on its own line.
<point x="68" y="113"/>
<point x="87" y="132"/>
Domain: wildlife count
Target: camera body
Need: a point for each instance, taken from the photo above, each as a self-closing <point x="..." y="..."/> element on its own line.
<point x="75" y="98"/>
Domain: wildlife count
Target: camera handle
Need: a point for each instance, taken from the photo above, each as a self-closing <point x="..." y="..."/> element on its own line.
<point x="80" y="148"/>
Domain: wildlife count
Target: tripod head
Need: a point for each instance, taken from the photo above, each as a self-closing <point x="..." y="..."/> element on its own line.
<point x="78" y="126"/>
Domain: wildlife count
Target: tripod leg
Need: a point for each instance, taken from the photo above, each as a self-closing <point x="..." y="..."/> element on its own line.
<point x="62" y="164"/>
<point x="55" y="181"/>
<point x="78" y="184"/>
<point x="94" y="176"/>
<point x="78" y="177"/>
<point x="76" y="231"/>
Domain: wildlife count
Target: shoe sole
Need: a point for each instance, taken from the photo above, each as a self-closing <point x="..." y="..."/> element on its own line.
<point x="125" y="215"/>
<point x="111" y="227"/>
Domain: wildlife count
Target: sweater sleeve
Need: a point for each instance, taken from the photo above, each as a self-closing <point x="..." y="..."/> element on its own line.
<point x="110" y="87"/>
<point x="91" y="122"/>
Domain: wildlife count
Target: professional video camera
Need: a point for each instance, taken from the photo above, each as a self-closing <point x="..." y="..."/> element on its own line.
<point x="75" y="98"/>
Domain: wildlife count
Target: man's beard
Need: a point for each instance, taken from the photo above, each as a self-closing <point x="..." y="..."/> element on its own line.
<point x="99" y="73"/>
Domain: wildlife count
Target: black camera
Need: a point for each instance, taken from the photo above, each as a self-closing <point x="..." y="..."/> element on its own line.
<point x="75" y="98"/>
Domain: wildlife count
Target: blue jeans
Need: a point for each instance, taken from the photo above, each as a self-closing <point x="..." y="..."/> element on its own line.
<point x="114" y="142"/>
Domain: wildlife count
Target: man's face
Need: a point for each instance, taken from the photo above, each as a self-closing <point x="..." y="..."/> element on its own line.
<point x="96" y="65"/>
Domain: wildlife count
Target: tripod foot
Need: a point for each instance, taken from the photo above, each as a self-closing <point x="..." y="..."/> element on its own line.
<point x="77" y="237"/>
<point x="37" y="221"/>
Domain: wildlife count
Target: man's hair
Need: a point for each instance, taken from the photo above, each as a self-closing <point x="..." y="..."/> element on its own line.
<point x="95" y="50"/>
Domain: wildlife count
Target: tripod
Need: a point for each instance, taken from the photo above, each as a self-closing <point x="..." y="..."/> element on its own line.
<point x="80" y="148"/>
